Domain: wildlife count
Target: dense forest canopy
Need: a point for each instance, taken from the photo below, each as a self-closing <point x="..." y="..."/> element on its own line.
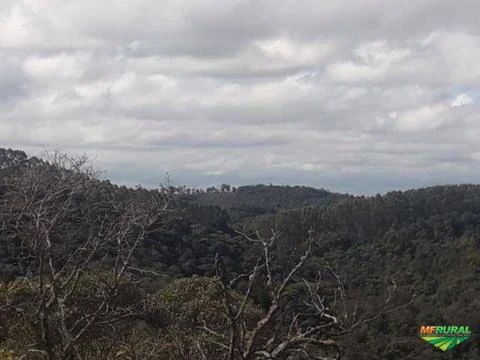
<point x="253" y="200"/>
<point x="92" y="270"/>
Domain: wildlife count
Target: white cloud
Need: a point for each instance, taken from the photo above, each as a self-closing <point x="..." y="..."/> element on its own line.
<point x="335" y="94"/>
<point x="427" y="117"/>
<point x="60" y="65"/>
<point x="461" y="100"/>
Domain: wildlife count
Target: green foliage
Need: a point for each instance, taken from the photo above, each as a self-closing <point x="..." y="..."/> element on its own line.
<point x="7" y="354"/>
<point x="185" y="309"/>
<point x="188" y="302"/>
<point x="251" y="201"/>
<point x="426" y="238"/>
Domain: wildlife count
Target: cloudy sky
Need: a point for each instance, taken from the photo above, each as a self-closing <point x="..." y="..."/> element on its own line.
<point x="353" y="96"/>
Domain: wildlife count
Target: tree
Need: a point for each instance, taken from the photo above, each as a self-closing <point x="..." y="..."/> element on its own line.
<point x="225" y="188"/>
<point x="302" y="320"/>
<point x="188" y="313"/>
<point x="65" y="221"/>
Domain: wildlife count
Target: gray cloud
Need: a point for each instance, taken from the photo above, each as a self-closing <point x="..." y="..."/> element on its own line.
<point x="13" y="82"/>
<point x="358" y="96"/>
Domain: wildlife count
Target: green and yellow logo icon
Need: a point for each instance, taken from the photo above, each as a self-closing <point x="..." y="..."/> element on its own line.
<point x="445" y="337"/>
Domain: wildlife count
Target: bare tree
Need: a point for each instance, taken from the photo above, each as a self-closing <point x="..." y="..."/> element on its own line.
<point x="303" y="320"/>
<point x="65" y="220"/>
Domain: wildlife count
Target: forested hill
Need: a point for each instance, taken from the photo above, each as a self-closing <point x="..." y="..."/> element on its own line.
<point x="253" y="200"/>
<point x="153" y="269"/>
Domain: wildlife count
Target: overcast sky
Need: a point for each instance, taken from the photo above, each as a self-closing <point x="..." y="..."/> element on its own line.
<point x="353" y="96"/>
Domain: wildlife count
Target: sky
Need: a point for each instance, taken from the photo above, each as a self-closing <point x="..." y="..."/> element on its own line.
<point x="352" y="96"/>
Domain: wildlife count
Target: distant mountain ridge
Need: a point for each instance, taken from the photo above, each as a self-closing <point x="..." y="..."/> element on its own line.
<point x="253" y="200"/>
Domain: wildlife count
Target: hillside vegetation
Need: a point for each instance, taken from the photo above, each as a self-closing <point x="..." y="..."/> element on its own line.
<point x="92" y="270"/>
<point x="254" y="200"/>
